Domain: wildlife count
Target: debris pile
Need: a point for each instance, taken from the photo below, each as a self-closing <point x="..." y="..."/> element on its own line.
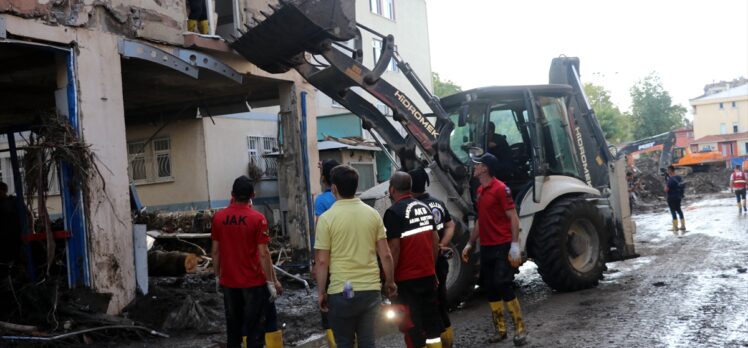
<point x="699" y="181"/>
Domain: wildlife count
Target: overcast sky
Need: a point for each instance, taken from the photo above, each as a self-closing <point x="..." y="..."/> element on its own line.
<point x="479" y="43"/>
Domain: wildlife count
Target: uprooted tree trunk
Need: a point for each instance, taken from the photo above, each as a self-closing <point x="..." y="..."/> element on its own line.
<point x="171" y="263"/>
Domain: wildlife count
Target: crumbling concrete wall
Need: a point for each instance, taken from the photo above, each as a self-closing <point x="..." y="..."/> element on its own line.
<point x="156" y="20"/>
<point x="102" y="118"/>
<point x="291" y="177"/>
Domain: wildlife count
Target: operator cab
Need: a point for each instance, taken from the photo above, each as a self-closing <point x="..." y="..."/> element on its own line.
<point x="506" y="122"/>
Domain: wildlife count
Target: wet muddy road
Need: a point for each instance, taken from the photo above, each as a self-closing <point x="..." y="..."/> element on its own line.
<point x="684" y="291"/>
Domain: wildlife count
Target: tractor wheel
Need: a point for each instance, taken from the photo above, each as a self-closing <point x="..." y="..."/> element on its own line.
<point x="568" y="245"/>
<point x="462" y="276"/>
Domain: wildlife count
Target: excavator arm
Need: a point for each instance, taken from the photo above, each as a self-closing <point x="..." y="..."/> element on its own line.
<point x="667" y="140"/>
<point x="313" y="28"/>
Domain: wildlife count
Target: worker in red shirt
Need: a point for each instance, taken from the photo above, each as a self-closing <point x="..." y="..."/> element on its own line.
<point x="498" y="230"/>
<point x="414" y="243"/>
<point x="242" y="263"/>
<point x="737" y="185"/>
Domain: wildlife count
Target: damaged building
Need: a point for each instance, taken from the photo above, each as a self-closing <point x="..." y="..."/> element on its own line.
<point x="146" y="97"/>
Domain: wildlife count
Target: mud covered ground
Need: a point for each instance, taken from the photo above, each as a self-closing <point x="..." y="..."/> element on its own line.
<point x="684" y="291"/>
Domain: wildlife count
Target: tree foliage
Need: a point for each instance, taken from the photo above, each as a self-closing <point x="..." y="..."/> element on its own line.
<point x="615" y="124"/>
<point x="652" y="108"/>
<point x="444" y="88"/>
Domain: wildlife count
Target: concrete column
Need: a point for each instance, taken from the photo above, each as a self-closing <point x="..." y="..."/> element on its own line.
<point x="291" y="176"/>
<point x="102" y="118"/>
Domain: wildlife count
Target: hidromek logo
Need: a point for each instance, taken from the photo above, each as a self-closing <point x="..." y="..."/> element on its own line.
<point x="583" y="156"/>
<point x="416" y="114"/>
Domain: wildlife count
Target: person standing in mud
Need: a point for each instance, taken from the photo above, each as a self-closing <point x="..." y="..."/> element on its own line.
<point x="674" y="192"/>
<point x="350" y="236"/>
<point x="321" y="205"/>
<point x="737" y="186"/>
<point x="242" y="263"/>
<point x="445" y="227"/>
<point x="498" y="230"/>
<point x="414" y="242"/>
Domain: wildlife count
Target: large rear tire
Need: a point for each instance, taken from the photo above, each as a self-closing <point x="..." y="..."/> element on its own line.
<point x="568" y="244"/>
<point x="462" y="275"/>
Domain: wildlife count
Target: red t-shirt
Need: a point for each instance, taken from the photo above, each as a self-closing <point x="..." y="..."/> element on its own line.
<point x="239" y="229"/>
<point x="493" y="201"/>
<point x="412" y="222"/>
<point x="738" y="180"/>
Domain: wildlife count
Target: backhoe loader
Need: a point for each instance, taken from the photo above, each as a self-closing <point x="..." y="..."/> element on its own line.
<point x="569" y="190"/>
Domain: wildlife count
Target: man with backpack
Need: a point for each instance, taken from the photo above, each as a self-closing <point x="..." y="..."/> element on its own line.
<point x="674" y="190"/>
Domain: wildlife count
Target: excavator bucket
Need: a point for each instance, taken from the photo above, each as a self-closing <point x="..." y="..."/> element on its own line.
<point x="296" y="26"/>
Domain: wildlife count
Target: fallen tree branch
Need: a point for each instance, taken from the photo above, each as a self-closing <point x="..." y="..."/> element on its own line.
<point x="18" y="327"/>
<point x="75" y="333"/>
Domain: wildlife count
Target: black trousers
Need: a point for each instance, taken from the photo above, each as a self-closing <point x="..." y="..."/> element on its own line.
<point x="245" y="311"/>
<point x="198" y="11"/>
<point x="674" y="205"/>
<point x="740" y="194"/>
<point x="496" y="274"/>
<point x="421" y="299"/>
<point x="442" y="269"/>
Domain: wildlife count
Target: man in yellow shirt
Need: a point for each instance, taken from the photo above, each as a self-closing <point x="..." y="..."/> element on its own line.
<point x="350" y="235"/>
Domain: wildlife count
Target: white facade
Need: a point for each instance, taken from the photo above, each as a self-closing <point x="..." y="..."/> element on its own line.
<point x="407" y="21"/>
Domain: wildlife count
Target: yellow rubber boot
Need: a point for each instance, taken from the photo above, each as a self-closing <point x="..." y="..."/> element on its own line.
<point x="683" y="224"/>
<point x="448" y="337"/>
<point x="244" y="341"/>
<point x="499" y="322"/>
<point x="330" y="339"/>
<point x="675" y="226"/>
<point x="520" y="335"/>
<point x="192" y="25"/>
<point x="204" y="27"/>
<point x="434" y="343"/>
<point x="274" y="339"/>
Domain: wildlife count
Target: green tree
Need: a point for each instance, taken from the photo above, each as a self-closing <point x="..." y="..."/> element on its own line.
<point x="652" y="108"/>
<point x="615" y="124"/>
<point x="444" y="88"/>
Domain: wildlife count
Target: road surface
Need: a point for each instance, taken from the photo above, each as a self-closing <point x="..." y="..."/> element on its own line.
<point x="684" y="291"/>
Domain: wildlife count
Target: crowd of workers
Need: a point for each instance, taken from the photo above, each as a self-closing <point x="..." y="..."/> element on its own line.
<point x="362" y="258"/>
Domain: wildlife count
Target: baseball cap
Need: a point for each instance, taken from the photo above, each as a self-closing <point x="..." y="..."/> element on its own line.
<point x="420" y="179"/>
<point x="243" y="188"/>
<point x="489" y="160"/>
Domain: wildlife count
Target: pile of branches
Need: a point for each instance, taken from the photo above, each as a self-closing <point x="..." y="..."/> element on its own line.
<point x="52" y="143"/>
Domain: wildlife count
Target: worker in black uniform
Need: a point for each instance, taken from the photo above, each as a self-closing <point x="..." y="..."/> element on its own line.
<point x="445" y="227"/>
<point x="414" y="244"/>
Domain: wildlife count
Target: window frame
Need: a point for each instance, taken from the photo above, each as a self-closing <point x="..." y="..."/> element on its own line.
<point x="373" y="166"/>
<point x="151" y="165"/>
<point x="383" y="8"/>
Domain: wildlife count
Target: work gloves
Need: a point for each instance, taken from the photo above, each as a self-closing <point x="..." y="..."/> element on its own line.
<point x="515" y="256"/>
<point x="272" y="290"/>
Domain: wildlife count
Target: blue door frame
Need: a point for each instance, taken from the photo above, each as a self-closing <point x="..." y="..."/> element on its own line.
<point x="72" y="196"/>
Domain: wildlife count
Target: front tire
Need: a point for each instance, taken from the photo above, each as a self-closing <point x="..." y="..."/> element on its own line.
<point x="568" y="245"/>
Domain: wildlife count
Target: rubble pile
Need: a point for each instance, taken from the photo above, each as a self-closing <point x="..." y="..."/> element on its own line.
<point x="698" y="181"/>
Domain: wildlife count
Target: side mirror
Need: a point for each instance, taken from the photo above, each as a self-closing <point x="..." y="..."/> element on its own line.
<point x="462" y="119"/>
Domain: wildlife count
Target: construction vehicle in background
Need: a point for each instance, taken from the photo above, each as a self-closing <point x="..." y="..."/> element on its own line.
<point x="569" y="189"/>
<point x="681" y="158"/>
